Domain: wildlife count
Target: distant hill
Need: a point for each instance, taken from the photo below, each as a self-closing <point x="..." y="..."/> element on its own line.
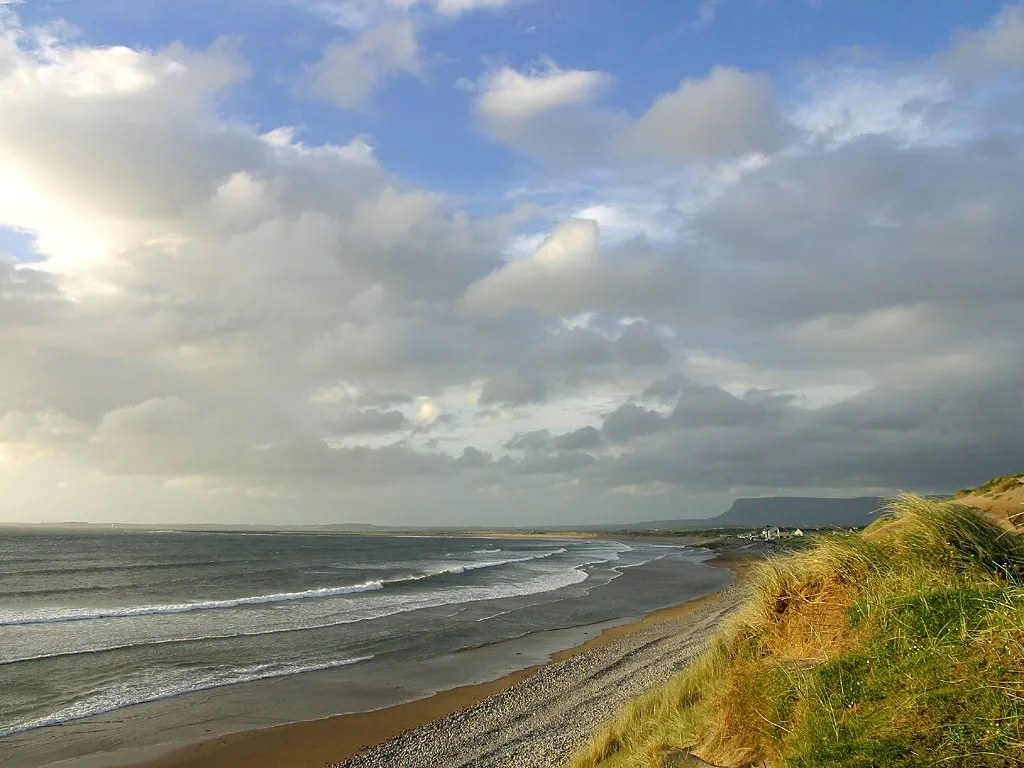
<point x="784" y="511"/>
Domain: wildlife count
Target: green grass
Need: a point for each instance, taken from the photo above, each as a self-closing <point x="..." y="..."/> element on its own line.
<point x="995" y="486"/>
<point x="900" y="647"/>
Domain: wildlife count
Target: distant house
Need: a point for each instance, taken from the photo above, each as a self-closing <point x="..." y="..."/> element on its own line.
<point x="771" y="532"/>
<point x="798" y="532"/>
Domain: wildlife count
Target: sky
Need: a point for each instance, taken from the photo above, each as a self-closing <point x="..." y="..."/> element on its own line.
<point x="504" y="262"/>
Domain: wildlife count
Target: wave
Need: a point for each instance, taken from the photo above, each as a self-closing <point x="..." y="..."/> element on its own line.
<point x="165" y="685"/>
<point x="570" y="576"/>
<point x="491" y="564"/>
<point x="89" y="614"/>
<point x="114" y="567"/>
<point x="54" y="616"/>
<point x="486" y="551"/>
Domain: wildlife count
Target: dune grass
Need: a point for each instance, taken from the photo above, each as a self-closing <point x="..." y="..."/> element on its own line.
<point x="994" y="487"/>
<point x="903" y="646"/>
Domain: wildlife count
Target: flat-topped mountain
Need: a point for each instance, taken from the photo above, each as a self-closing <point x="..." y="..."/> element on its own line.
<point x="785" y="511"/>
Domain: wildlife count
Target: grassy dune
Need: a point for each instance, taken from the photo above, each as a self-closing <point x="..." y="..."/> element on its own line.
<point x="903" y="646"/>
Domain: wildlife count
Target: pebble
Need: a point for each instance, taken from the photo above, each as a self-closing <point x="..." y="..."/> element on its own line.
<point x="541" y="721"/>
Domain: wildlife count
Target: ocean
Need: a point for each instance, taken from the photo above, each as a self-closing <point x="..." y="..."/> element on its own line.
<point x="94" y="622"/>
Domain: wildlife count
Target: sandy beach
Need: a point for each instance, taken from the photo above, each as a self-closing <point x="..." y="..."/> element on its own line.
<point x="534" y="717"/>
<point x="531" y="702"/>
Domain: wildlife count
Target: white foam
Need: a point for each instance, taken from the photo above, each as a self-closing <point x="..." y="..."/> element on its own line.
<point x="58" y="615"/>
<point x="55" y="615"/>
<point x="166" y="684"/>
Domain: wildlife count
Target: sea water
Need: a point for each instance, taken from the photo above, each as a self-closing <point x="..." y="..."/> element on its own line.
<point x="92" y="622"/>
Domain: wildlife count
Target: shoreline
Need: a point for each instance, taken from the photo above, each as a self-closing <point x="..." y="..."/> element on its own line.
<point x="334" y="740"/>
<point x="284" y="721"/>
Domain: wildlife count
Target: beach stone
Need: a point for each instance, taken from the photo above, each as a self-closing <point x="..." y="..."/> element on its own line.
<point x="541" y="720"/>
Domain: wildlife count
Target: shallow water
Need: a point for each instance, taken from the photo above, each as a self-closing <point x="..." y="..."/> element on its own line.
<point x="91" y="623"/>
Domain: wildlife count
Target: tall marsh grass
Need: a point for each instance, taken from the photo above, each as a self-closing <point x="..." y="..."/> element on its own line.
<point x="900" y="647"/>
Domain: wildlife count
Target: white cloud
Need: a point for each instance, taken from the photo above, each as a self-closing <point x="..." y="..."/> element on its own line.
<point x="633" y="216"/>
<point x="848" y="103"/>
<point x="456" y="7"/>
<point x="728" y="113"/>
<point x="706" y="12"/>
<point x="999" y="45"/>
<point x="355" y="15"/>
<point x="539" y="282"/>
<point x="508" y="94"/>
<point x="841" y="314"/>
<point x="351" y="70"/>
<point x="55" y="92"/>
<point x="359" y="15"/>
<point x="544" y="111"/>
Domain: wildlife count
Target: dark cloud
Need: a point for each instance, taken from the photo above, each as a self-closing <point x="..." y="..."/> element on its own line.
<point x="702" y="405"/>
<point x="665" y="390"/>
<point x="629" y="421"/>
<point x="639" y="345"/>
<point x="552" y="464"/>
<point x="571" y="351"/>
<point x="937" y="435"/>
<point x="585" y="438"/>
<point x="538" y="440"/>
<point x="473" y="458"/>
<point x="515" y="387"/>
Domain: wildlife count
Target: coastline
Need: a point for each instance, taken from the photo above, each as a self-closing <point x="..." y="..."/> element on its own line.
<point x="336" y="739"/>
<point x="248" y="728"/>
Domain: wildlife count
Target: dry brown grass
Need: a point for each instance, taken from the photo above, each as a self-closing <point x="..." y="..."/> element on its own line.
<point x="1001" y="501"/>
<point x="909" y="604"/>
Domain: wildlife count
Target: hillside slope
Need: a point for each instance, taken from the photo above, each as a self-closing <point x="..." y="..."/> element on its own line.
<point x="1000" y="499"/>
<point x="900" y="647"/>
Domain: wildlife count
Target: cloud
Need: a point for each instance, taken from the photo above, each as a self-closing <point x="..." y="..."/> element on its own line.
<point x="640" y="345"/>
<point x="383" y="399"/>
<point x="509" y="95"/>
<point x="552" y="464"/>
<point x="706" y="12"/>
<point x="538" y="440"/>
<point x="456" y="7"/>
<point x="350" y="71"/>
<point x="881" y="439"/>
<point x="555" y="115"/>
<point x="540" y="281"/>
<point x="544" y="111"/>
<point x="629" y="421"/>
<point x="583" y="439"/>
<point x="515" y="387"/>
<point x="240" y="321"/>
<point x="570" y="273"/>
<point x="369" y="421"/>
<point x="541" y="440"/>
<point x="999" y="45"/>
<point x="358" y="15"/>
<point x="727" y="114"/>
<point x="473" y="458"/>
<point x="702" y="405"/>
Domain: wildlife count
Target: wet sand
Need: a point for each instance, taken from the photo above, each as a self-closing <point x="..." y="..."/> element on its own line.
<point x="255" y="737"/>
<point x="334" y="740"/>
